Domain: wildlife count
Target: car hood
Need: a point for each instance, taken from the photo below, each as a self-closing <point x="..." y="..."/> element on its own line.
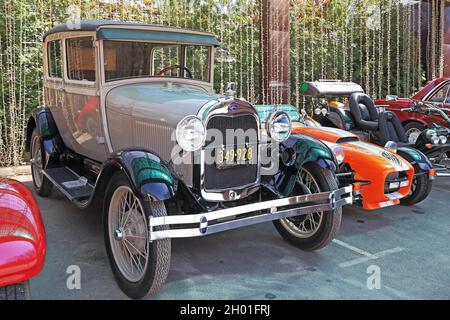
<point x="167" y="102"/>
<point x="327" y="134"/>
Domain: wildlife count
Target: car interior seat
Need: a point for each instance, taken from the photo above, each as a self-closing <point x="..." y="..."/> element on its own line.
<point x="391" y="129"/>
<point x="364" y="112"/>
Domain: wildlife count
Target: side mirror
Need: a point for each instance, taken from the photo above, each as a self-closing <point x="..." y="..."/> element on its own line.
<point x="391" y="98"/>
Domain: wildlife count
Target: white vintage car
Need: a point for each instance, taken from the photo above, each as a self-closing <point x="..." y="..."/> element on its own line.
<point x="129" y="117"/>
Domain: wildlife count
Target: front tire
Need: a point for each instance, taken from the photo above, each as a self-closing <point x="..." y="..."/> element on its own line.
<point x="420" y="189"/>
<point x="139" y="267"/>
<point x="314" y="231"/>
<point x="41" y="184"/>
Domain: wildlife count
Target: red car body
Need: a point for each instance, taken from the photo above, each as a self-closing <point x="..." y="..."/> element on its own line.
<point x="425" y="94"/>
<point x="22" y="235"/>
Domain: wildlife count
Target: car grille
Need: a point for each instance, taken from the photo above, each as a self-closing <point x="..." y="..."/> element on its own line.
<point x="391" y="184"/>
<point x="216" y="179"/>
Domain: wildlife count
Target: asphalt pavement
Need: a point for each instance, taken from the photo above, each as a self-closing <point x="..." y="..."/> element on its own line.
<point x="393" y="253"/>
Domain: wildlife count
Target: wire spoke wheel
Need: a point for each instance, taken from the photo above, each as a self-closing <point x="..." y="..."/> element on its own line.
<point x="129" y="234"/>
<point x="413" y="134"/>
<point x="36" y="161"/>
<point x="307" y="225"/>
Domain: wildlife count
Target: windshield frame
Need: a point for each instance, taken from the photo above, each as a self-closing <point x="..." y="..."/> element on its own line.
<point x="182" y="59"/>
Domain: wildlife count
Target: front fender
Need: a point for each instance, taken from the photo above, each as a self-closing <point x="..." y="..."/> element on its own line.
<point x="301" y="149"/>
<point x="149" y="176"/>
<point x="309" y="149"/>
<point x="22" y="236"/>
<point x="419" y="161"/>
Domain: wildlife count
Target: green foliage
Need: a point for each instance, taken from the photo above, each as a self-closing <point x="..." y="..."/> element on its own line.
<point x="341" y="39"/>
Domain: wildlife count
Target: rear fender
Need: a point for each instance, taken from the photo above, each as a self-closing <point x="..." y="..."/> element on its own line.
<point x="52" y="143"/>
<point x="150" y="177"/>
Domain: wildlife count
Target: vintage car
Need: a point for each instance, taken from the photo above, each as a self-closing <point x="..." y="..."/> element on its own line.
<point x="415" y="121"/>
<point x="343" y="105"/>
<point x="168" y="157"/>
<point x="22" y="240"/>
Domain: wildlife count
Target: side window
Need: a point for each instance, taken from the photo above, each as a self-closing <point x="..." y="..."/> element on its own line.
<point x="54" y="59"/>
<point x="165" y="57"/>
<point x="441" y="96"/>
<point x="80" y="59"/>
<point x="197" y="61"/>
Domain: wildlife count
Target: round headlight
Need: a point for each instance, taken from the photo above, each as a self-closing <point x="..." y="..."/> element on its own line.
<point x="434" y="140"/>
<point x="339" y="153"/>
<point x="318" y="111"/>
<point x="191" y="133"/>
<point x="279" y="126"/>
<point x="443" y="139"/>
<point x="324" y="111"/>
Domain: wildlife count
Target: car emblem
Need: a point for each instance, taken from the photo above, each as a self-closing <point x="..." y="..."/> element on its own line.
<point x="232" y="195"/>
<point x="389" y="156"/>
<point x="233" y="107"/>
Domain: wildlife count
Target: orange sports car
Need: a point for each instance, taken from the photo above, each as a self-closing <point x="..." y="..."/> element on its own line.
<point x="380" y="177"/>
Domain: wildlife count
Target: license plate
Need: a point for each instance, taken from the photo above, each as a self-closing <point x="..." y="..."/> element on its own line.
<point x="234" y="156"/>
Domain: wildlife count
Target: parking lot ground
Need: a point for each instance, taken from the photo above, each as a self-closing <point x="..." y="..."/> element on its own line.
<point x="410" y="245"/>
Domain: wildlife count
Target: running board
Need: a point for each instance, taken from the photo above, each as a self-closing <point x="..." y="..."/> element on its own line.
<point x="73" y="186"/>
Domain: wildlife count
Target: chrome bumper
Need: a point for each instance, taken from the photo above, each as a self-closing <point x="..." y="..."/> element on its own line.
<point x="237" y="217"/>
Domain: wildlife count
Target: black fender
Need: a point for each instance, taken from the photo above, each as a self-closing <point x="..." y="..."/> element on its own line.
<point x="419" y="161"/>
<point x="52" y="144"/>
<point x="297" y="151"/>
<point x="151" y="178"/>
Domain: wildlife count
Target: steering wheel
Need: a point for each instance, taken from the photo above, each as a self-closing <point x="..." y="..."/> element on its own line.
<point x="174" y="68"/>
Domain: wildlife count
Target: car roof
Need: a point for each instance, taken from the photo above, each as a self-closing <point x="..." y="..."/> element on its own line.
<point x="329" y="88"/>
<point x="107" y="29"/>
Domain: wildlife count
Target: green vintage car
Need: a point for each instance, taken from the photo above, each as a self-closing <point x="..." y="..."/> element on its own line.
<point x="131" y="117"/>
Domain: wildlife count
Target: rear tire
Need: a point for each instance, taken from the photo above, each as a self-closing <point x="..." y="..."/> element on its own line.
<point x="42" y="185"/>
<point x="139" y="267"/>
<point x="420" y="190"/>
<point x="17" y="291"/>
<point x="314" y="231"/>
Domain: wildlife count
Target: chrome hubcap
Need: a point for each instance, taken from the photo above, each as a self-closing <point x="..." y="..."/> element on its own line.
<point x="307" y="225"/>
<point x="128" y="234"/>
<point x="412" y="135"/>
<point x="118" y="234"/>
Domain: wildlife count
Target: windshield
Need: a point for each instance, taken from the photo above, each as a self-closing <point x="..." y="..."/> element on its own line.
<point x="128" y="59"/>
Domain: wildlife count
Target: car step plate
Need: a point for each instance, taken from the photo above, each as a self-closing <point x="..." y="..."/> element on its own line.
<point x="73" y="186"/>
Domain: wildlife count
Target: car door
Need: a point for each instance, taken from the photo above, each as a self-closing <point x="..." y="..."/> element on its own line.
<point x="440" y="97"/>
<point x="81" y="106"/>
<point x="53" y="81"/>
